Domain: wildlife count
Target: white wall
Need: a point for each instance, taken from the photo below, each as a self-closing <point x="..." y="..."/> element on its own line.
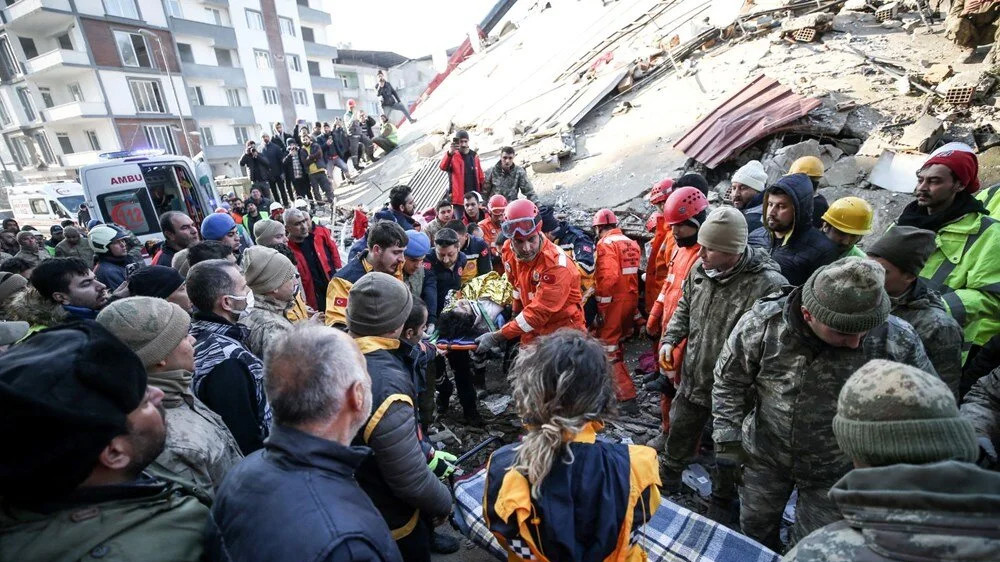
<point x="151" y="11"/>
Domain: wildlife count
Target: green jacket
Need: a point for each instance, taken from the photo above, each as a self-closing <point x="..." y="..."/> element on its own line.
<point x="796" y="378"/>
<point x="940" y="333"/>
<point x="149" y="519"/>
<point x="965" y="269"/>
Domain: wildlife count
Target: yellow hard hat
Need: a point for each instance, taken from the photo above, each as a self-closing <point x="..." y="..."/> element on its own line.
<point x="852" y="215"/>
<point x="808" y="165"/>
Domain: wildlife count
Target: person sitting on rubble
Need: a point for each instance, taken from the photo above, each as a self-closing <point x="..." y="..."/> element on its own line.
<point x="562" y="494"/>
<point x="812" y="167"/>
<point x="845" y="222"/>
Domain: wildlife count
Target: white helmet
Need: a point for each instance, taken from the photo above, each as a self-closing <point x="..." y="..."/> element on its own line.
<point x="102" y="235"/>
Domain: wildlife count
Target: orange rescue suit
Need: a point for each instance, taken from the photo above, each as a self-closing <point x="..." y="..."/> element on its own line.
<point x="660" y="250"/>
<point x="617" y="292"/>
<point x="546" y="293"/>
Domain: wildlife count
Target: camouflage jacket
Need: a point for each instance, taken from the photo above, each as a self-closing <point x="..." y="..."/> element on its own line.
<point x="707" y="311"/>
<point x="147" y="519"/>
<point x="981" y="406"/>
<point x="796" y="378"/>
<point x="910" y="512"/>
<point x="509" y="184"/>
<point x="266" y="321"/>
<point x="199" y="448"/>
<point x="941" y="335"/>
<point x="82" y="250"/>
<point x="34" y="258"/>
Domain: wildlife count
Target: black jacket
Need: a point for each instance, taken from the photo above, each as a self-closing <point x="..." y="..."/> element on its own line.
<point x="447" y="279"/>
<point x="257" y="166"/>
<point x="286" y="162"/>
<point x="273" y="152"/>
<point x="806" y="248"/>
<point x="303" y="479"/>
<point x="341" y="143"/>
<point x="388" y="94"/>
<point x="754" y="212"/>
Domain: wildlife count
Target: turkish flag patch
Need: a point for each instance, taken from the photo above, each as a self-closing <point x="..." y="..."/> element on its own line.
<point x="427" y="265"/>
<point x="548" y="278"/>
<point x="340" y="301"/>
<point x="484" y="252"/>
<point x="587" y="248"/>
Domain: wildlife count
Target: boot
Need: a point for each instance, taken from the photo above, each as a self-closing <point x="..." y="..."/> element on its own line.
<point x="671" y="480"/>
<point x="722" y="512"/>
<point x="647" y="377"/>
<point x="663" y="386"/>
<point x="659" y="443"/>
<point x="628" y="407"/>
<point x="443" y="544"/>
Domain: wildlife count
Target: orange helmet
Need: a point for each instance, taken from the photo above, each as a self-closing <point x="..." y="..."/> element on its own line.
<point x="496" y="204"/>
<point x="351" y="103"/>
<point x="521" y="219"/>
<point x="684" y="204"/>
<point x="605" y="217"/>
<point x="661" y="191"/>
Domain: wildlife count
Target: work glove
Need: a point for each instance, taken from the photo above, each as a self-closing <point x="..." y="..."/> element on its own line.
<point x="729" y="454"/>
<point x="441" y="464"/>
<point x="490" y="341"/>
<point x="430" y="329"/>
<point x="666" y="358"/>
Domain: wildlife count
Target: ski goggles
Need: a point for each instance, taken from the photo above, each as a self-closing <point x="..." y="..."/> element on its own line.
<point x="527" y="226"/>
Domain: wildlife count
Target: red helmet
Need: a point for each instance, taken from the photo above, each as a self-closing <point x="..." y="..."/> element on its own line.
<point x="351" y="103"/>
<point x="521" y="219"/>
<point x="684" y="204"/>
<point x="496" y="204"/>
<point x="651" y="222"/>
<point x="605" y="217"/>
<point x="660" y="191"/>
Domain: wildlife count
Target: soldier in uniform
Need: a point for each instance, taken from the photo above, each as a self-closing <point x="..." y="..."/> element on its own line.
<point x="794" y="351"/>
<point x="80" y="427"/>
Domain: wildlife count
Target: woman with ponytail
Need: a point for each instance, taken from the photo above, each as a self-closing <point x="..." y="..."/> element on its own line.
<point x="561" y="494"/>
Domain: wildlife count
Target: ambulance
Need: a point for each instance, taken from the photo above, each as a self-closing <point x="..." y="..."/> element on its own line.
<point x="133" y="188"/>
<point x="42" y="205"/>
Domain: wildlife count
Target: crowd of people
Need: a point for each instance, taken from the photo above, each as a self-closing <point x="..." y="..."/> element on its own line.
<point x="192" y="399"/>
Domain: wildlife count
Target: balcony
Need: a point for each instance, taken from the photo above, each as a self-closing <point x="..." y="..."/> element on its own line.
<point x="224" y="152"/>
<point x="350" y="93"/>
<point x="232" y="77"/>
<point x="313" y="15"/>
<point x="78" y="159"/>
<point x="328" y="115"/>
<point x="241" y="114"/>
<point x="220" y="36"/>
<point x="59" y="59"/>
<point x="319" y="50"/>
<point x="325" y="83"/>
<point x="37" y="15"/>
<point x="75" y="110"/>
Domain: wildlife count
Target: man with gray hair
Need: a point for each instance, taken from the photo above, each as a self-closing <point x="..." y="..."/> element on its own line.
<point x="316" y="255"/>
<point x="306" y="474"/>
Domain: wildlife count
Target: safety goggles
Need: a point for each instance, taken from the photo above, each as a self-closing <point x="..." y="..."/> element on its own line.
<point x="527" y="226"/>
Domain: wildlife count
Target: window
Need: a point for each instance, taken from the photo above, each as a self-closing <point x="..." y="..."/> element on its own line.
<point x="4" y="114"/>
<point x="75" y="91"/>
<point x="28" y="46"/>
<point x="344" y="80"/>
<point x="64" y="41"/>
<point x="242" y="134"/>
<point x="215" y="15"/>
<point x="195" y="95"/>
<point x="159" y="136"/>
<point x="22" y="156"/>
<point x="10" y="65"/>
<point x="287" y="26"/>
<point x="174" y="9"/>
<point x="255" y="20"/>
<point x="206" y="136"/>
<point x="224" y="57"/>
<point x="147" y="96"/>
<point x="313" y="67"/>
<point x="46" y="93"/>
<point x="27" y="103"/>
<point x="45" y="148"/>
<point x="95" y="143"/>
<point x="299" y="97"/>
<point x="234" y="97"/>
<point x="64" y="143"/>
<point x="270" y="96"/>
<point x="38" y="207"/>
<point x="308" y="35"/>
<point x="131" y="208"/>
<point x="133" y="49"/>
<point x="303" y="3"/>
<point x="263" y="59"/>
<point x="294" y="63"/>
<point x="187" y="55"/>
<point x="320" y="100"/>
<point x="122" y="8"/>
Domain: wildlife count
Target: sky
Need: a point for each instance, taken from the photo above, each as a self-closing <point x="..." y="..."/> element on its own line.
<point x="412" y="28"/>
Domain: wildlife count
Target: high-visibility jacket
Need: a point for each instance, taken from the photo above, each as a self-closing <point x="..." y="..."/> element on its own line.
<point x="491" y="233"/>
<point x="965" y="269"/>
<point x="340" y="287"/>
<point x="679" y="263"/>
<point x="660" y="250"/>
<point x="990" y="199"/>
<point x="617" y="273"/>
<point x="546" y="293"/>
<point x="298" y="312"/>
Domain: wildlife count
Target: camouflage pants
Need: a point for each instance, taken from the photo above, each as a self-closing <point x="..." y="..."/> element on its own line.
<point x="687" y="424"/>
<point x="765" y="491"/>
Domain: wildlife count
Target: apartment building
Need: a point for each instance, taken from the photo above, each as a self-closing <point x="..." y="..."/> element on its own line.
<point x="358" y="68"/>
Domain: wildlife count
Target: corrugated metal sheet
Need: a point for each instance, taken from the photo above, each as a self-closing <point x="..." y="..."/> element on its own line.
<point x="429" y="184"/>
<point x="763" y="107"/>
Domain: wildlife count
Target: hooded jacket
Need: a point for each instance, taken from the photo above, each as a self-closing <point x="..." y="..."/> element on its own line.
<point x="940" y="333"/>
<point x="754" y="212"/>
<point x="804" y="249"/>
<point x="31" y="307"/>
<point x="939" y="511"/>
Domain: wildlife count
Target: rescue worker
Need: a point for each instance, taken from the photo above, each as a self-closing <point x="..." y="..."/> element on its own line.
<point x="725" y="283"/>
<point x="386" y="245"/>
<point x="845" y="222"/>
<point x="491" y="227"/>
<point x="561" y="494"/>
<point x="111" y="255"/>
<point x="903" y="251"/>
<point x="546" y="285"/>
<point x="662" y="245"/>
<point x="617" y="293"/>
<point x="812" y="167"/>
<point x="965" y="266"/>
<point x="747" y="193"/>
<point x="579" y="247"/>
<point x="792" y="352"/>
<point x="477" y="252"/>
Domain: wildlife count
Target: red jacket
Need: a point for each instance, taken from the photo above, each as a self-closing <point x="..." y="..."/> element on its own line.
<point x="546" y="293"/>
<point x="455" y="166"/>
<point x="360" y="224"/>
<point x="329" y="259"/>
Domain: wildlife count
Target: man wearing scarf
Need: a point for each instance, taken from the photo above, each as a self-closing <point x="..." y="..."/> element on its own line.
<point x="965" y="265"/>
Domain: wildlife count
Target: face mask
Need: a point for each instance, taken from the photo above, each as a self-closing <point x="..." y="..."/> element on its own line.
<point x="687" y="241"/>
<point x="249" y="300"/>
<point x="713" y="273"/>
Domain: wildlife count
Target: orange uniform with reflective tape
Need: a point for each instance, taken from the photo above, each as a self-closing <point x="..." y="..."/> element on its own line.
<point x="546" y="293"/>
<point x="491" y="233"/>
<point x="617" y="291"/>
<point x="660" y="250"/>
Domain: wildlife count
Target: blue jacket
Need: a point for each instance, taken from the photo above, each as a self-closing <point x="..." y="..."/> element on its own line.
<point x="754" y="212"/>
<point x="447" y="279"/>
<point x="577" y="245"/>
<point x="301" y="490"/>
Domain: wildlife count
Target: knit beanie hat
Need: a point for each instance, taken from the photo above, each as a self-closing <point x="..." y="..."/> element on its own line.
<point x="265" y="231"/>
<point x="150" y="327"/>
<point x="65" y="393"/>
<point x="891" y="413"/>
<point x="418" y="245"/>
<point x="848" y="295"/>
<point x="217" y="225"/>
<point x="752" y="175"/>
<point x="157" y="281"/>
<point x="377" y="304"/>
<point x="11" y="283"/>
<point x="725" y="230"/>
<point x="266" y="269"/>
<point x="906" y="247"/>
<point x="694" y="180"/>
